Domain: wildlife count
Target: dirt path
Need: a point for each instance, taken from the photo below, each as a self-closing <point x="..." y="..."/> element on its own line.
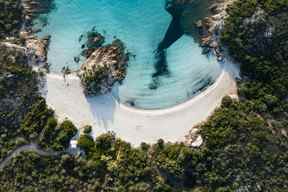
<point x="29" y="147"/>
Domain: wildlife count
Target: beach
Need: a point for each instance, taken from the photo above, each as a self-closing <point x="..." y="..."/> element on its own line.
<point x="133" y="125"/>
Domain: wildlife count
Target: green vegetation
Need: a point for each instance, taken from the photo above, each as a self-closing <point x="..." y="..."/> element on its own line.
<point x="245" y="142"/>
<point x="86" y="143"/>
<point x="10" y="17"/>
<point x="107" y="65"/>
<point x="239" y="154"/>
<point x="24" y="116"/>
<point x="257" y="36"/>
<point x="57" y="137"/>
<point x="36" y="119"/>
<point x="87" y="129"/>
<point x="66" y="131"/>
<point x="18" y="92"/>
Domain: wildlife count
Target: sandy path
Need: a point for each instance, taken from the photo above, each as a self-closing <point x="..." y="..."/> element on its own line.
<point x="29" y="147"/>
<point x="134" y="125"/>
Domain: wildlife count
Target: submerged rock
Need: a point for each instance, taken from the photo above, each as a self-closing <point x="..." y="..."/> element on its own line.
<point x="105" y="66"/>
<point x="94" y="41"/>
<point x="33" y="8"/>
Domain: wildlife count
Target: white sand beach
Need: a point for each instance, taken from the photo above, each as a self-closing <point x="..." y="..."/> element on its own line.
<point x="130" y="124"/>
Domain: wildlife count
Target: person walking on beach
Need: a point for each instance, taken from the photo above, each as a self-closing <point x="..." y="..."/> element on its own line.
<point x="65" y="71"/>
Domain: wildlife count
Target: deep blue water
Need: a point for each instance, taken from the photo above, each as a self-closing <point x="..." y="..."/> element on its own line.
<point x="141" y="25"/>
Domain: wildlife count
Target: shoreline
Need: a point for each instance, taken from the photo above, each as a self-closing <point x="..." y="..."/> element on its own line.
<point x="134" y="125"/>
<point x="177" y="107"/>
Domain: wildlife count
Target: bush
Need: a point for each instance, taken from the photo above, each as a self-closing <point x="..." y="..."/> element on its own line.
<point x="87" y="129"/>
<point x="86" y="143"/>
<point x="66" y="132"/>
<point x="36" y="119"/>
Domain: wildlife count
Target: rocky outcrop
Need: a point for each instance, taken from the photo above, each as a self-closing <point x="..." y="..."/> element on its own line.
<point x="211" y="26"/>
<point x="105" y="66"/>
<point x="30" y="47"/>
<point x="217" y="14"/>
<point x="94" y="40"/>
<point x="193" y="138"/>
<point x="37" y="49"/>
<point x="31" y="9"/>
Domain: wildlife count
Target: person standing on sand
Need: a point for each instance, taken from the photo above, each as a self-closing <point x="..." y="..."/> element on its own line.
<point x="65" y="71"/>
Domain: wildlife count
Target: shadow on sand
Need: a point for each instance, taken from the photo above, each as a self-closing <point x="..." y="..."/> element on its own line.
<point x="103" y="108"/>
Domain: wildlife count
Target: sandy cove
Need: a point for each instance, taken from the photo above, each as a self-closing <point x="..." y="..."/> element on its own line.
<point x="133" y="125"/>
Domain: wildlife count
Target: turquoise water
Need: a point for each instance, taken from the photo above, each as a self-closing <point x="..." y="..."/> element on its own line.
<point x="141" y="25"/>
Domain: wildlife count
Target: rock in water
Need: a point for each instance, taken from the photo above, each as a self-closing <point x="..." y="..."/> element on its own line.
<point x="103" y="68"/>
<point x="94" y="41"/>
<point x="33" y="8"/>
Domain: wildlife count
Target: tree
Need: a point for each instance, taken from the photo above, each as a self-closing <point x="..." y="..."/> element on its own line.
<point x="86" y="143"/>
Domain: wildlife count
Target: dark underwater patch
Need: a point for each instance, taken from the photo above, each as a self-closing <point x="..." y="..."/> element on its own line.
<point x="173" y="33"/>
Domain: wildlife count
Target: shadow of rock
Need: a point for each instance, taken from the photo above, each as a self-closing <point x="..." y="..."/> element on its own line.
<point x="103" y="108"/>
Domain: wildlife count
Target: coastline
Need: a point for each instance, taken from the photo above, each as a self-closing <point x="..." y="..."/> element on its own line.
<point x="133" y="125"/>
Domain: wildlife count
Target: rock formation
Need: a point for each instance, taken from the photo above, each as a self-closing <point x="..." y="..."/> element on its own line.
<point x="218" y="13"/>
<point x="37" y="49"/>
<point x="104" y="66"/>
<point x="94" y="41"/>
<point x="212" y="25"/>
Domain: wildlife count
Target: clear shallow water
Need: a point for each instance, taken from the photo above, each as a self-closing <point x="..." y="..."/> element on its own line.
<point x="141" y="25"/>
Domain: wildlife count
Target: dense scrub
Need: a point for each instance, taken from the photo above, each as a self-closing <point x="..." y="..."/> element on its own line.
<point x="245" y="143"/>
<point x="241" y="153"/>
<point x="24" y="115"/>
<point x="10" y="17"/>
<point x="257" y="36"/>
<point x="18" y="92"/>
